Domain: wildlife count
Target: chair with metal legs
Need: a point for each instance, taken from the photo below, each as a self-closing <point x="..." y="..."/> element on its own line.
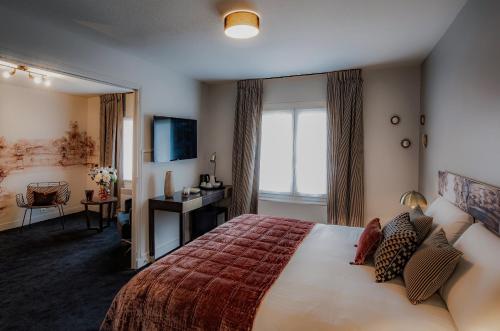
<point x="61" y="198"/>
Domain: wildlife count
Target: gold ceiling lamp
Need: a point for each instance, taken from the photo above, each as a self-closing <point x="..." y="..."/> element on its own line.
<point x="413" y="199"/>
<point x="241" y="24"/>
<point x="37" y="78"/>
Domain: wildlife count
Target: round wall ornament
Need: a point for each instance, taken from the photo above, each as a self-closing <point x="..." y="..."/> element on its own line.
<point x="395" y="120"/>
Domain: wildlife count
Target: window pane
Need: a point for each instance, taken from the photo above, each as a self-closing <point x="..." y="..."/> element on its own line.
<point x="276" y="154"/>
<point x="310" y="160"/>
<point x="128" y="133"/>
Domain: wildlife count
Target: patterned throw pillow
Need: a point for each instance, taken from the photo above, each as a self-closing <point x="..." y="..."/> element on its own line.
<point x="421" y="222"/>
<point x="399" y="243"/>
<point x="430" y="267"/>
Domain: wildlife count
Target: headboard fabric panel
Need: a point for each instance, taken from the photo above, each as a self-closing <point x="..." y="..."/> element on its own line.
<point x="480" y="200"/>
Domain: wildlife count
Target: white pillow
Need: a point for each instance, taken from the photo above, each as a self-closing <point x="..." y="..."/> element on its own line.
<point x="448" y="217"/>
<point x="472" y="293"/>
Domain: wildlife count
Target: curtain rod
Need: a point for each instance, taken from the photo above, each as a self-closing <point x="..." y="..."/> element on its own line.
<point x="297" y="75"/>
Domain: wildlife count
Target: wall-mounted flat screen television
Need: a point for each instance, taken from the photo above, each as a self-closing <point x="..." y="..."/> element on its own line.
<point x="173" y="139"/>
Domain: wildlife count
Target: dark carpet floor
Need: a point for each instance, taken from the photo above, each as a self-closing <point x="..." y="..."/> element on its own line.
<point x="54" y="279"/>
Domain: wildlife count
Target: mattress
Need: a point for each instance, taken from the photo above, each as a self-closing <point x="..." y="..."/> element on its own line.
<point x="320" y="290"/>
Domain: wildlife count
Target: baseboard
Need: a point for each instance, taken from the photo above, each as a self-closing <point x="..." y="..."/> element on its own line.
<point x="49" y="214"/>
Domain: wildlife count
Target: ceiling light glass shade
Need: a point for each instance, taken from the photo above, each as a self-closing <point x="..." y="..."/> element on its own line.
<point x="413" y="200"/>
<point x="6" y="74"/>
<point x="37" y="79"/>
<point x="47" y="82"/>
<point x="241" y="24"/>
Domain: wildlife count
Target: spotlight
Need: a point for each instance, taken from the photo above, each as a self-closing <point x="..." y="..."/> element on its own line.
<point x="46" y="82"/>
<point x="7" y="74"/>
<point x="37" y="79"/>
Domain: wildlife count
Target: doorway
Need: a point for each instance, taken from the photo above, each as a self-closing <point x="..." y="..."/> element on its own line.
<point x="50" y="134"/>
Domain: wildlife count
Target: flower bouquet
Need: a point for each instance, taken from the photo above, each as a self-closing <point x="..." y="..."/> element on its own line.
<point x="104" y="177"/>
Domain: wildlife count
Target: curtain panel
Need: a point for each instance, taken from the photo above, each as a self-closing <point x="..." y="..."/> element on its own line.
<point x="111" y="135"/>
<point x="345" y="148"/>
<point x="246" y="147"/>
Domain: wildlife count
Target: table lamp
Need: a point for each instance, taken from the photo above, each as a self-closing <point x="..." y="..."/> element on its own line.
<point x="413" y="199"/>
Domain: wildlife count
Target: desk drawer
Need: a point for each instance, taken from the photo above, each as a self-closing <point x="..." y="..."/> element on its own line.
<point x="213" y="197"/>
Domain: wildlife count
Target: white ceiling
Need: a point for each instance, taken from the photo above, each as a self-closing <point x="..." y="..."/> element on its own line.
<point x="297" y="36"/>
<point x="59" y="82"/>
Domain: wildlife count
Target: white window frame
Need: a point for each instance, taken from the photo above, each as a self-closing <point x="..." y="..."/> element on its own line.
<point x="293" y="196"/>
<point x="127" y="183"/>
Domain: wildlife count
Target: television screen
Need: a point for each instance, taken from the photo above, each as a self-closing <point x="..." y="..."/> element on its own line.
<point x="173" y="139"/>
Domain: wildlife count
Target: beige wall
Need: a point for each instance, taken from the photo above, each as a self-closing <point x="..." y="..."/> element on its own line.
<point x="461" y="99"/>
<point x="40" y="115"/>
<point x="389" y="169"/>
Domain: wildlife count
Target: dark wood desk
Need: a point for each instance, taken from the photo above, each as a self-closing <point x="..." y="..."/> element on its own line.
<point x="182" y="205"/>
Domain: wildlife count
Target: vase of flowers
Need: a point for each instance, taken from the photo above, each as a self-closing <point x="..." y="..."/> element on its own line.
<point x="104" y="177"/>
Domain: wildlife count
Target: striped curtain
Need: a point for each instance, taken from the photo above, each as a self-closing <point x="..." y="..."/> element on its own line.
<point x="345" y="148"/>
<point x="246" y="147"/>
<point x="111" y="136"/>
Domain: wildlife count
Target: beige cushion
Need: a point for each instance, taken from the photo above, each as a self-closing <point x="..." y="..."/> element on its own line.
<point x="472" y="293"/>
<point x="430" y="267"/>
<point x="448" y="217"/>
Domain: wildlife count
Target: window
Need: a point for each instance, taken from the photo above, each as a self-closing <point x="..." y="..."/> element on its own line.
<point x="128" y="143"/>
<point x="293" y="154"/>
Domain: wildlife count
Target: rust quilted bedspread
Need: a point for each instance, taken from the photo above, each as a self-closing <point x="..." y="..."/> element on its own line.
<point x="216" y="282"/>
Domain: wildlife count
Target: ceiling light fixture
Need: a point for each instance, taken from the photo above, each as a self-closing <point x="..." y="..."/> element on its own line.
<point x="38" y="78"/>
<point x="241" y="24"/>
<point x="7" y="74"/>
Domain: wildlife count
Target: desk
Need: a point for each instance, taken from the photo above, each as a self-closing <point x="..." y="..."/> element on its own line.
<point x="111" y="202"/>
<point x="182" y="205"/>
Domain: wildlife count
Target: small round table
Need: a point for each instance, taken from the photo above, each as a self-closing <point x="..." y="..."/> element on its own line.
<point x="111" y="202"/>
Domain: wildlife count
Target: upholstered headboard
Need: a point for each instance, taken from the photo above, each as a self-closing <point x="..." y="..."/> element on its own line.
<point x="480" y="200"/>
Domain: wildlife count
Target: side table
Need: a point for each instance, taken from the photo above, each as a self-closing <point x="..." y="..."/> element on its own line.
<point x="111" y="202"/>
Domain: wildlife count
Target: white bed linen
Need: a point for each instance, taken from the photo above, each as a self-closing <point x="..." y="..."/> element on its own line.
<point x="318" y="290"/>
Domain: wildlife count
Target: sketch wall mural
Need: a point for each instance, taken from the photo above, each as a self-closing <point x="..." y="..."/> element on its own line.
<point x="75" y="148"/>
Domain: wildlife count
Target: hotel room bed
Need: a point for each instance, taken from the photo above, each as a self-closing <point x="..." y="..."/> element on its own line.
<point x="320" y="290"/>
<point x="308" y="283"/>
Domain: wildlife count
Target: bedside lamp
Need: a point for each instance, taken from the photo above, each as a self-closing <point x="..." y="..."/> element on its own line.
<point x="413" y="199"/>
<point x="213" y="159"/>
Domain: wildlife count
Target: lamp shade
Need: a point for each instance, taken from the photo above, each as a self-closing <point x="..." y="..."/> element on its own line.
<point x="241" y="24"/>
<point x="413" y="199"/>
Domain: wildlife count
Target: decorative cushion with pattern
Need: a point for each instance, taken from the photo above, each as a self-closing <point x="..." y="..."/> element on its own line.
<point x="422" y="224"/>
<point x="399" y="243"/>
<point x="430" y="267"/>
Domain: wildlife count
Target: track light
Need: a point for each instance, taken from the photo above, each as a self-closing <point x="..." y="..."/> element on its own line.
<point x="38" y="78"/>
